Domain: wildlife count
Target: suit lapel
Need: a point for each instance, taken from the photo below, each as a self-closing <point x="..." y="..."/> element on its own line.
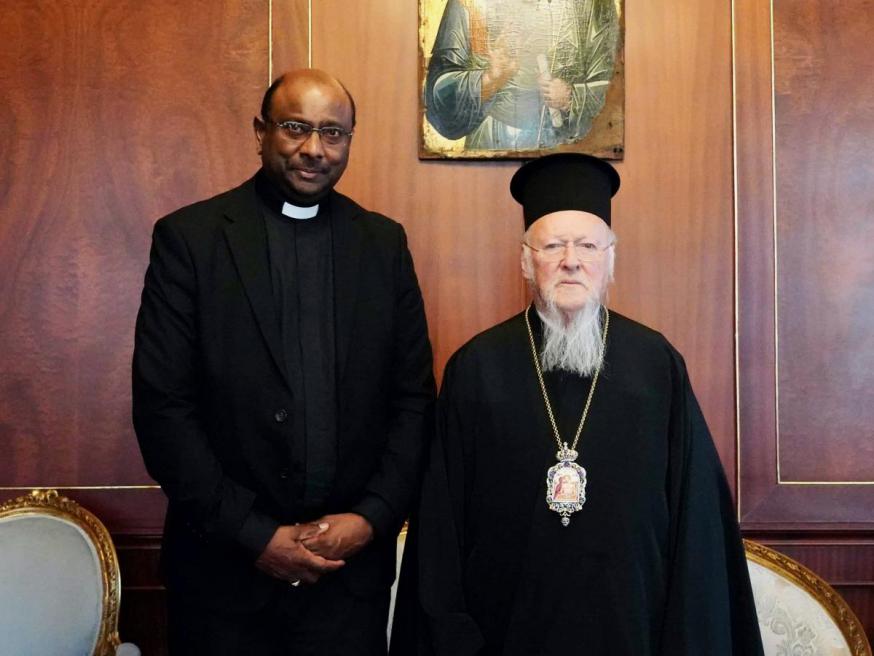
<point x="247" y="239"/>
<point x="347" y="257"/>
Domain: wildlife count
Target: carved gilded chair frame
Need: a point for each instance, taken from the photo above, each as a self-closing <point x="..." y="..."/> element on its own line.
<point x="825" y="595"/>
<point x="49" y="502"/>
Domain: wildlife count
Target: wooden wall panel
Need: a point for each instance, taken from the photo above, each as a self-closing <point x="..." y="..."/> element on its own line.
<point x="756" y="375"/>
<point x="825" y="239"/>
<point x="805" y="125"/>
<point x="114" y="113"/>
<point x="804" y="290"/>
<point x="290" y="36"/>
<point x="673" y="214"/>
<point x="143" y="613"/>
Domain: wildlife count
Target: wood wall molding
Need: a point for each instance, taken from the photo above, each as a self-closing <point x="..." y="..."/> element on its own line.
<point x="143" y="616"/>
<point x="290" y="42"/>
<point x="804" y="312"/>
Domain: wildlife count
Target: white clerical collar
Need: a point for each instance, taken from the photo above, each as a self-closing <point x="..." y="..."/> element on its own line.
<point x="296" y="212"/>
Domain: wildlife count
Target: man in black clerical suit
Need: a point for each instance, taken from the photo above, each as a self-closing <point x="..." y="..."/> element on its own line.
<point x="573" y="502"/>
<point x="282" y="389"/>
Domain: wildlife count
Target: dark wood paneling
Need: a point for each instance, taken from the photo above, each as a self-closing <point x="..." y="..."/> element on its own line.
<point x="290" y="44"/>
<point x="755" y="273"/>
<point x="143" y="621"/>
<point x="824" y="87"/>
<point x="113" y="114"/>
<point x="137" y="511"/>
<point x="674" y="263"/>
<point x="805" y="178"/>
<point x="143" y="616"/>
<point x="817" y="262"/>
<point x="672" y="215"/>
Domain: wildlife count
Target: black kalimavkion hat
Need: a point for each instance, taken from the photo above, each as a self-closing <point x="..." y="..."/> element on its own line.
<point x="564" y="181"/>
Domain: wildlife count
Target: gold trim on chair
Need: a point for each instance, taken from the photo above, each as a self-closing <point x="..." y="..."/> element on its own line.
<point x="822" y="592"/>
<point x="49" y="502"/>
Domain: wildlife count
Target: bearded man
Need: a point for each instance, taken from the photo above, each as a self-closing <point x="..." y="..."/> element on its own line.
<point x="520" y="74"/>
<point x="574" y="502"/>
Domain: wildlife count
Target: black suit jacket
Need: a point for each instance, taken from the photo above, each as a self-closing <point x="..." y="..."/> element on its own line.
<point x="212" y="401"/>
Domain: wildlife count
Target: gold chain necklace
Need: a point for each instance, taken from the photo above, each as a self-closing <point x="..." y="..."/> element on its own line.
<point x="566" y="480"/>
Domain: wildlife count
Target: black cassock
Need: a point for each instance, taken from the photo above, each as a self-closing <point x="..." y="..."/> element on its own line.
<point x="652" y="564"/>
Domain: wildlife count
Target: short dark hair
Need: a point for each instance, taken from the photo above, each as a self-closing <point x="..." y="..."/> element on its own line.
<point x="267" y="101"/>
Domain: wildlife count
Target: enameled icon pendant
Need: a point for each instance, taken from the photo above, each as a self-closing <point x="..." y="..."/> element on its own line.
<point x="566" y="485"/>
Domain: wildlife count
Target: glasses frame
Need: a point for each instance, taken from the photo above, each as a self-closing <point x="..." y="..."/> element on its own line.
<point x="309" y="129"/>
<point x="590" y="256"/>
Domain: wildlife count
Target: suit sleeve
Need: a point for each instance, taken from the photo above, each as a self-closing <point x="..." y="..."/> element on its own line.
<point x="167" y="416"/>
<point x="710" y="606"/>
<point x="390" y="491"/>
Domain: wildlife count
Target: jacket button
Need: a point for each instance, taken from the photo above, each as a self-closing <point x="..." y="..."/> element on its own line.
<point x="280" y="416"/>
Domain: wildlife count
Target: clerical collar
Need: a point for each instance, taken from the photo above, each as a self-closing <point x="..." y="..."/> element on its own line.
<point x="296" y="212"/>
<point x="274" y="200"/>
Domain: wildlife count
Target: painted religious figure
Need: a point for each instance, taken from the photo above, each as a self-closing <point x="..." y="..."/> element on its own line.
<point x="567" y="487"/>
<point x="518" y="78"/>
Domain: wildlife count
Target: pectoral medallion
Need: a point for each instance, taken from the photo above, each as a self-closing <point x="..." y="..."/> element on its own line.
<point x="566" y="485"/>
<point x="566" y="480"/>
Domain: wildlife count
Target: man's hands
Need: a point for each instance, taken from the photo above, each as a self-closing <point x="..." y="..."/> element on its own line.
<point x="346" y="535"/>
<point x="286" y="557"/>
<point x="306" y="552"/>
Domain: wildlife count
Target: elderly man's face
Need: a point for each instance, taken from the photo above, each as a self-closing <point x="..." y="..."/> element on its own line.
<point x="559" y="271"/>
<point x="305" y="170"/>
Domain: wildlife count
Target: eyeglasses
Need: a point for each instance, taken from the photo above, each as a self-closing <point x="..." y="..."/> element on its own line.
<point x="330" y="135"/>
<point x="585" y="251"/>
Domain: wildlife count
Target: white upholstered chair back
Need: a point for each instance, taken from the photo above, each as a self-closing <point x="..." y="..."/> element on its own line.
<point x="799" y="613"/>
<point x="59" y="580"/>
<point x="402" y="540"/>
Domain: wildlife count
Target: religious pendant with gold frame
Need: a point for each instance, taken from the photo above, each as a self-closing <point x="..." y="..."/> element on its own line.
<point x="566" y="485"/>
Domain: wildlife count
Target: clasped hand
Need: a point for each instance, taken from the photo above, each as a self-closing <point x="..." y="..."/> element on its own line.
<point x="306" y="552"/>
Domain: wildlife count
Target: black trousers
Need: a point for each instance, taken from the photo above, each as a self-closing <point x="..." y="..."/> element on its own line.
<point x="324" y="619"/>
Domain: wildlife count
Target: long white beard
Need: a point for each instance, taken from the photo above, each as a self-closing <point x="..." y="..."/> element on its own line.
<point x="574" y="346"/>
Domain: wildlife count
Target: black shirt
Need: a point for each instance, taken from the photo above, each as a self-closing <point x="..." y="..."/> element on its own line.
<point x="301" y="271"/>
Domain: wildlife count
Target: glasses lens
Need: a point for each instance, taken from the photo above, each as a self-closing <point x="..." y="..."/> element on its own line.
<point x="296" y="130"/>
<point x="585" y="252"/>
<point x="333" y="136"/>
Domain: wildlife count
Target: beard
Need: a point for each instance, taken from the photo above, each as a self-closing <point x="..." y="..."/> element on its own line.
<point x="572" y="344"/>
